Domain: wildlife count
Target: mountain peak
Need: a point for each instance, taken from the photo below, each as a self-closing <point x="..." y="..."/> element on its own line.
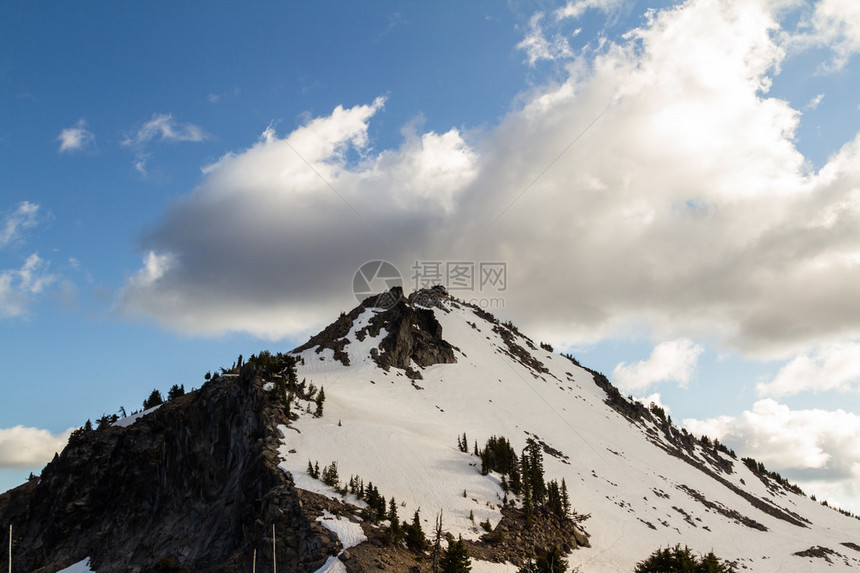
<point x="407" y="332"/>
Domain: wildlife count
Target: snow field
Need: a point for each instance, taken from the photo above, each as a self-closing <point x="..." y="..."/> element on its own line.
<point x="404" y="440"/>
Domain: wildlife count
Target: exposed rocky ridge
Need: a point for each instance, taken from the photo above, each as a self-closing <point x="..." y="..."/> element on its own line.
<point x="413" y="335"/>
<point x="193" y="486"/>
<point x="334" y="336"/>
<point x="682" y="445"/>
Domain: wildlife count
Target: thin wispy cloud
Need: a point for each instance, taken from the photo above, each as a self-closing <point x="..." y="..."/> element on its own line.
<point x="814" y="102"/>
<point x="215" y="98"/>
<point x="18" y="287"/>
<point x="162" y="127"/>
<point x="579" y="7"/>
<point x="76" y="138"/>
<point x="538" y="47"/>
<point x="25" y="216"/>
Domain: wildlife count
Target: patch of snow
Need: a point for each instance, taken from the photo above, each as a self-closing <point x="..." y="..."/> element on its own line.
<point x="332" y="565"/>
<point x="129" y="420"/>
<point x="348" y="533"/>
<point x="268" y="386"/>
<point x="79" y="567"/>
<point x="490" y="567"/>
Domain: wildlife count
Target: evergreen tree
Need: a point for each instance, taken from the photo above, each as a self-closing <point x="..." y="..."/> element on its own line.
<point x="106" y="421"/>
<point x="528" y="503"/>
<point x="712" y="564"/>
<point x="415" y="539"/>
<point x="516" y="480"/>
<point x="536" y="472"/>
<point x="677" y="560"/>
<point x="88" y="426"/>
<point x="392" y="510"/>
<point x="154" y="400"/>
<point x="330" y="476"/>
<point x="553" y="501"/>
<point x="455" y="559"/>
<point x="319" y="401"/>
<point x="565" y="499"/>
<point x="176" y="391"/>
<point x="552" y="561"/>
<point x="394" y="533"/>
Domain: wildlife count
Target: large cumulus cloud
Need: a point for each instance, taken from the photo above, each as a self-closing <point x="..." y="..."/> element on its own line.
<point x="657" y="184"/>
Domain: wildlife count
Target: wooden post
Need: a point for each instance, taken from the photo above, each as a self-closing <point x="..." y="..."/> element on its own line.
<point x="254" y="566"/>
<point x="274" y="555"/>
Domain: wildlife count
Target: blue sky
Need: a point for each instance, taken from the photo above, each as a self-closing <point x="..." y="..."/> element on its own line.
<point x="673" y="187"/>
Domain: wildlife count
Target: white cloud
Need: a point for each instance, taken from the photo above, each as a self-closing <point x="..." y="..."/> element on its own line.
<point x="814" y="102"/>
<point x="24" y="217"/>
<point x="19" y="286"/>
<point x="670" y="361"/>
<point x="832" y="367"/>
<point x="76" y="138"/>
<point x="656" y="187"/>
<point x="23" y="447"/>
<point x="812" y="447"/>
<point x="275" y="232"/>
<point x="654" y="399"/>
<point x="577" y="8"/>
<point x="215" y="98"/>
<point x="162" y="127"/>
<point x="538" y="47"/>
<point x="835" y="24"/>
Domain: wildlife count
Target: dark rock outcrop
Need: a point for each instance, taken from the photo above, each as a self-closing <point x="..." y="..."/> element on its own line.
<point x="193" y="486"/>
<point x="412" y="333"/>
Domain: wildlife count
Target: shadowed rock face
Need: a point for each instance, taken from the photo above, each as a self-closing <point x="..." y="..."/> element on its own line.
<point x="192" y="486"/>
<point x="413" y="335"/>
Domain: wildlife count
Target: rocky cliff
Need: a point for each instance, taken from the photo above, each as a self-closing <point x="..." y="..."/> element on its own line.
<point x="193" y="485"/>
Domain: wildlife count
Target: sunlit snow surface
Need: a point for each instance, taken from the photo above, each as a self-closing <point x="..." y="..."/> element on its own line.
<point x="348" y="533"/>
<point x="129" y="420"/>
<point x="79" y="567"/>
<point x="382" y="427"/>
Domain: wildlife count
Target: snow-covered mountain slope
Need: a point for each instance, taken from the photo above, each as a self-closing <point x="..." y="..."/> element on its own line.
<point x="396" y="422"/>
